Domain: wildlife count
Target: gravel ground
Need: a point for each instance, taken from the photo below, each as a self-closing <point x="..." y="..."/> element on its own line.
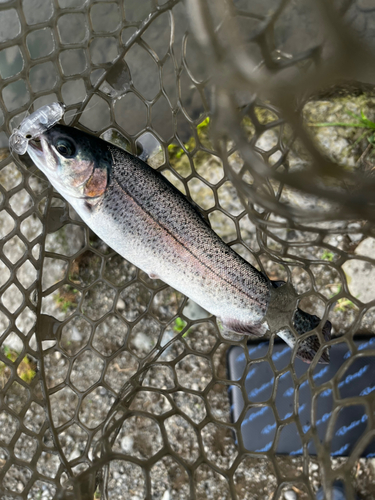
<point x="110" y="320"/>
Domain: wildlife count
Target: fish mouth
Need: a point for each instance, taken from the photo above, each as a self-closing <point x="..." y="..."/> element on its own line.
<point x="39" y="152"/>
<point x="36" y="146"/>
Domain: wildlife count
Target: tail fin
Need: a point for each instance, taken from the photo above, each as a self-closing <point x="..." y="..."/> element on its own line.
<point x="304" y="322"/>
<point x="308" y="349"/>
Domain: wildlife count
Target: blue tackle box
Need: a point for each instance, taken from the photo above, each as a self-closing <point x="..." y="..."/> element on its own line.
<point x="293" y="398"/>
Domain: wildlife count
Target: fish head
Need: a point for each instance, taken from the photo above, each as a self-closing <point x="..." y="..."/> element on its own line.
<point x="76" y="163"/>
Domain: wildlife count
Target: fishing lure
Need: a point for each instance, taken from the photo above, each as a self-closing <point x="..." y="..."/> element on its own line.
<point x="34" y="125"/>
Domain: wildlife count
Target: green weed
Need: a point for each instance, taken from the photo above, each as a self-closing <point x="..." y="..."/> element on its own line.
<point x="176" y="152"/>
<point x="26" y="370"/>
<point x="179" y="325"/>
<point x="342" y="304"/>
<point x="327" y="255"/>
<point x="360" y="121"/>
<point x="66" y="298"/>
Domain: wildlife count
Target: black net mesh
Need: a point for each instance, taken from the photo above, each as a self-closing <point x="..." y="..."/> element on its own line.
<point x="114" y="385"/>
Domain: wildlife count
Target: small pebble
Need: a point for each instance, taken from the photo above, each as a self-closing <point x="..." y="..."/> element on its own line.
<point x="127" y="444"/>
<point x="14" y="342"/>
<point x="355" y="237"/>
<point x="75" y="454"/>
<point x="290" y="495"/>
<point x="166" y="496"/>
<point x="76" y="335"/>
<point x="120" y="304"/>
<point x="142" y="342"/>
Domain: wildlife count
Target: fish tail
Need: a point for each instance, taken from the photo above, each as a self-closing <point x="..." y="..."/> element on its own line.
<point x="303" y="323"/>
<point x="307" y="349"/>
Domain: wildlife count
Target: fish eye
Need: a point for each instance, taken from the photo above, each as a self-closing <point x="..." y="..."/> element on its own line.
<point x="65" y="147"/>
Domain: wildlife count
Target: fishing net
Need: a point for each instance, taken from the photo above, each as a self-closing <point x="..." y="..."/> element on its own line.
<point x="116" y="386"/>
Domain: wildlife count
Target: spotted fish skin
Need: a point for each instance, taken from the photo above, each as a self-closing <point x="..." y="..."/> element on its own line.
<point x="152" y="225"/>
<point x="143" y="217"/>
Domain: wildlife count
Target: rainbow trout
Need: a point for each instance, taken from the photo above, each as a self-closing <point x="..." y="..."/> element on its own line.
<point x="144" y="218"/>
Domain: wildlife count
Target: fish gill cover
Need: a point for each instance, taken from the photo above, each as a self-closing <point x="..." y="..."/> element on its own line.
<point x="115" y="385"/>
